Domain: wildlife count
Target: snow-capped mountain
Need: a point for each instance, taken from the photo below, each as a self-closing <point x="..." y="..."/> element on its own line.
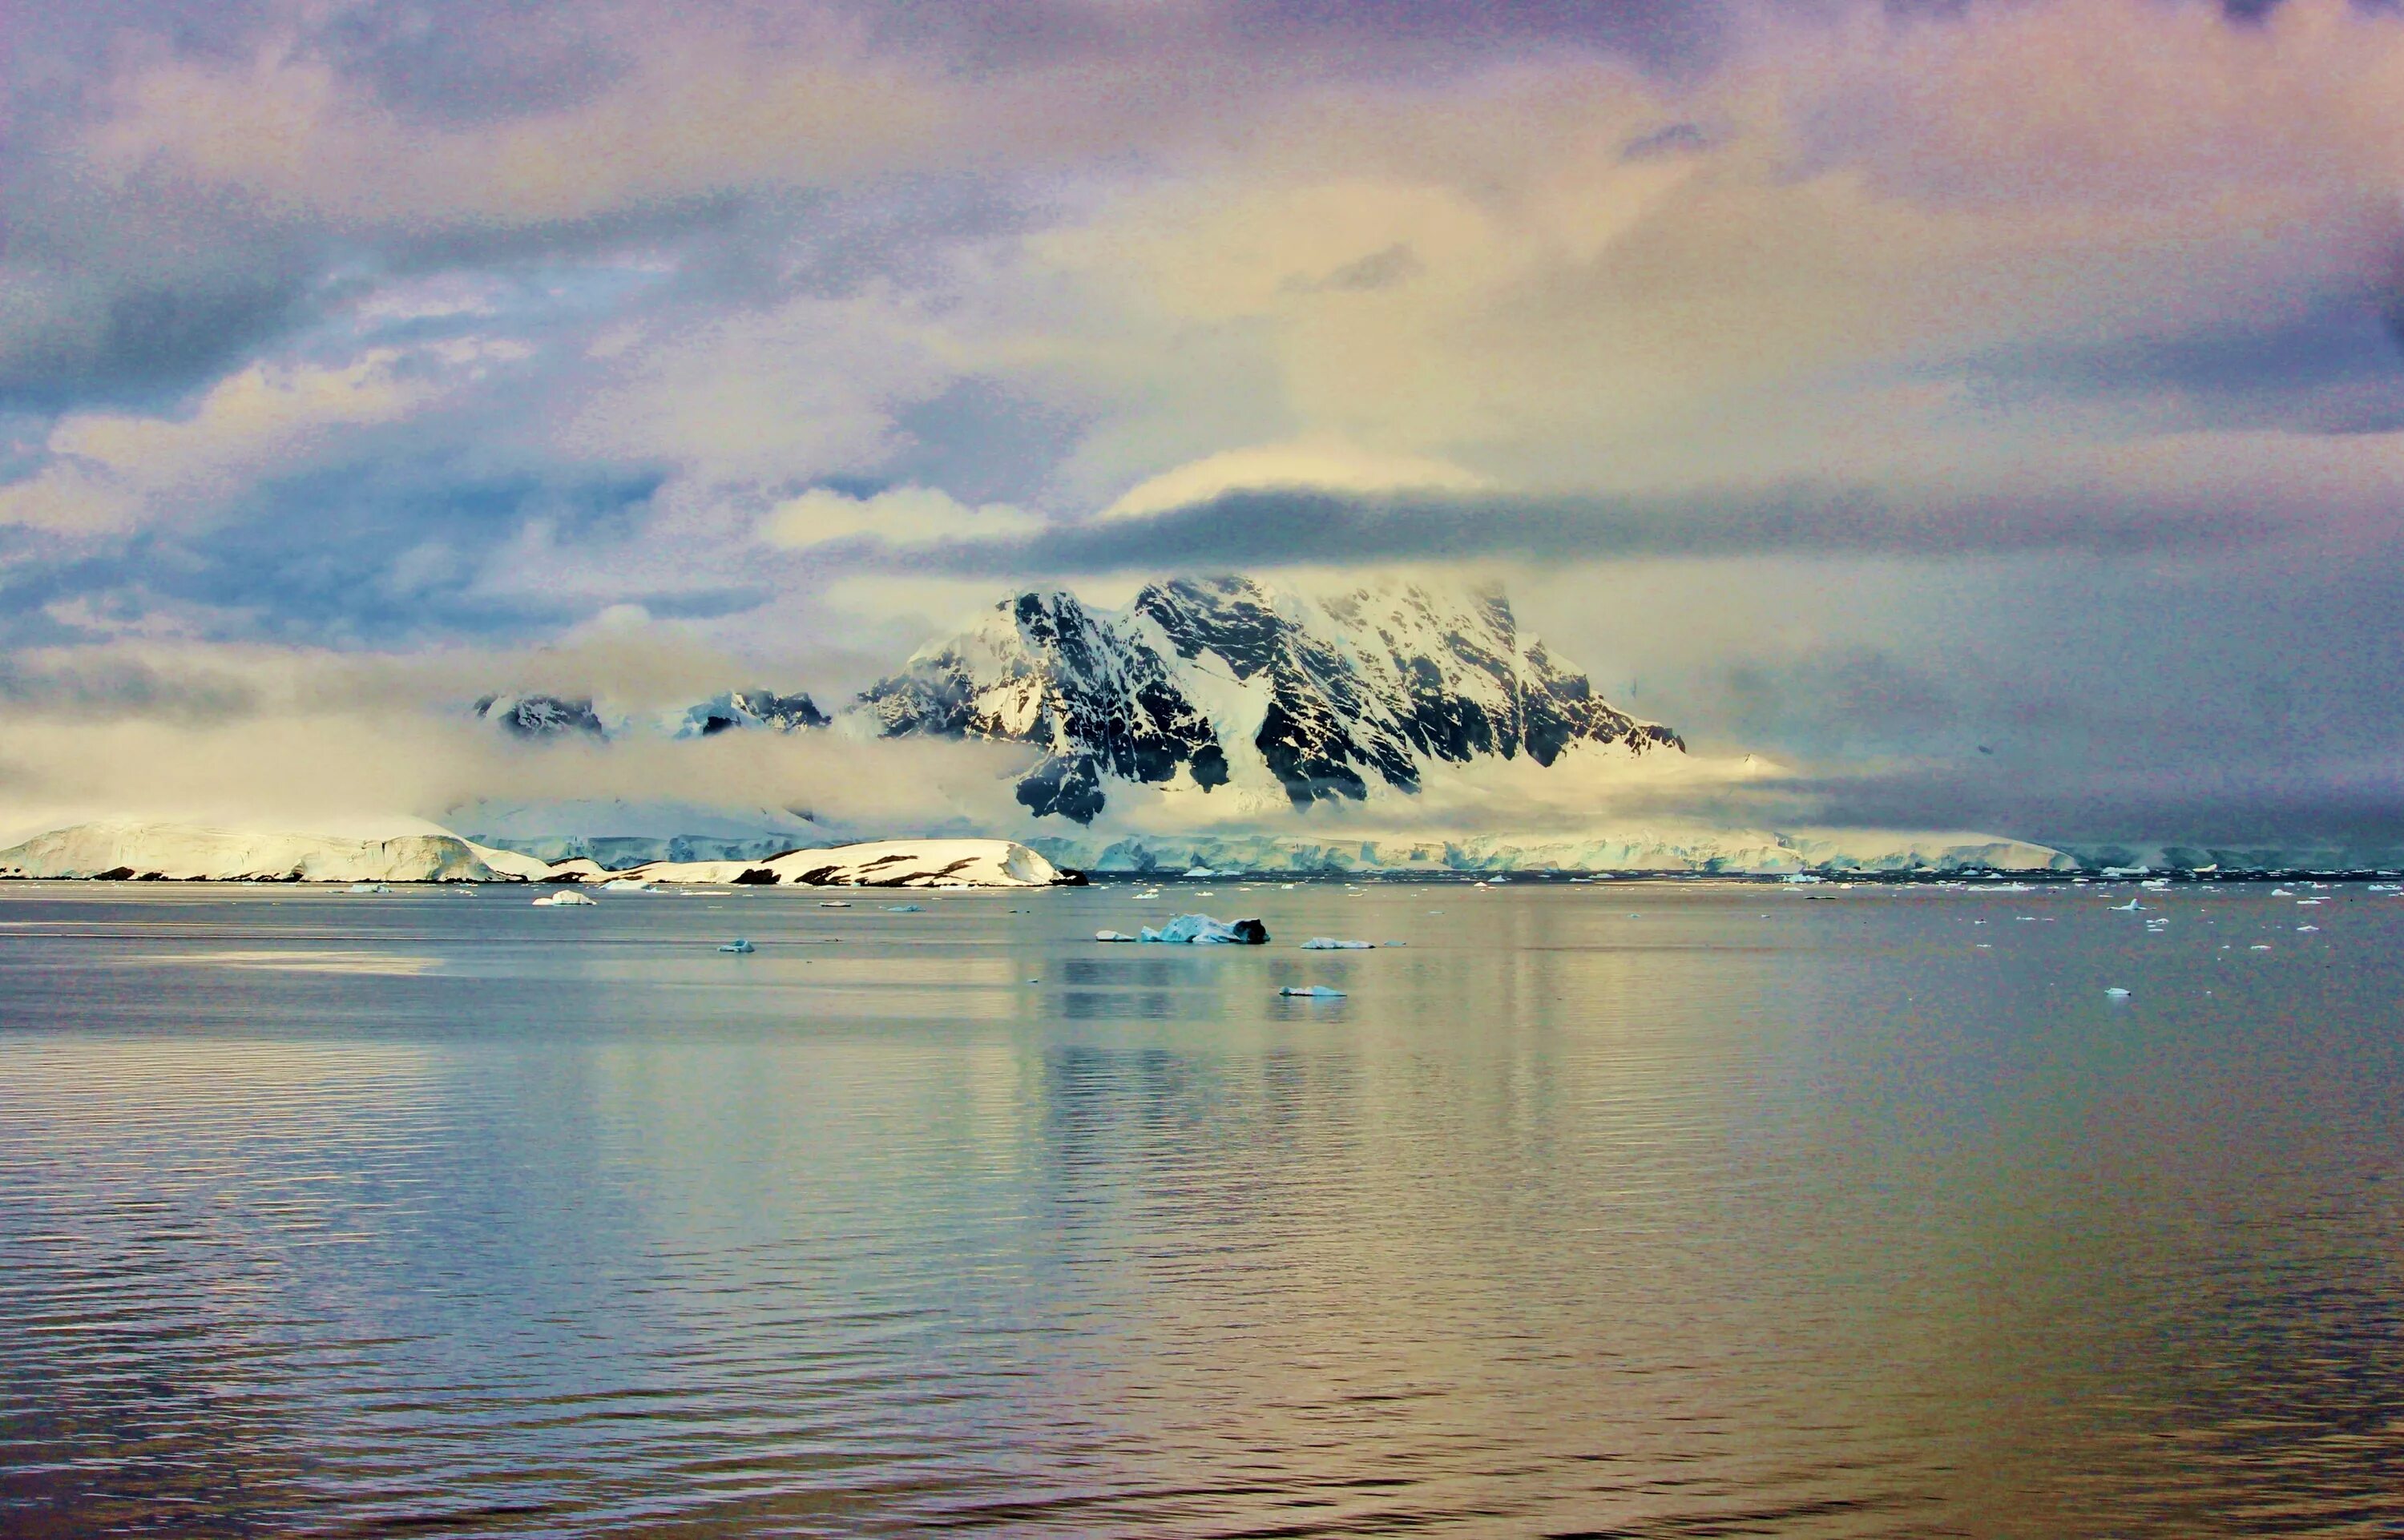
<point x="541" y="717"/>
<point x="750" y="708"/>
<point x="1221" y="722"/>
<point x="1219" y="682"/>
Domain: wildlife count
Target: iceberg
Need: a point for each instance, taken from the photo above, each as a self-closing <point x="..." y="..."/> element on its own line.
<point x="1329" y="944"/>
<point x="1312" y="992"/>
<point x="565" y="897"/>
<point x="1113" y="936"/>
<point x="1203" y="930"/>
<point x="738" y="944"/>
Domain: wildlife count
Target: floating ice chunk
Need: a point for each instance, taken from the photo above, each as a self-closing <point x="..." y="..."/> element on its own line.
<point x="904" y="909"/>
<point x="834" y="903"/>
<point x="738" y="944"/>
<point x="1312" y="992"/>
<point x="628" y="885"/>
<point x="565" y="897"/>
<point x="367" y="887"/>
<point x="2261" y="947"/>
<point x="1113" y="936"/>
<point x="2133" y="903"/>
<point x="1329" y="944"/>
<point x="1200" y="872"/>
<point x="2116" y="992"/>
<point x="2283" y="893"/>
<point x="2303" y="927"/>
<point x="1202" y="931"/>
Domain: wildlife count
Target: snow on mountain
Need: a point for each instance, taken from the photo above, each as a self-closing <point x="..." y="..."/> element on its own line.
<point x="1642" y="848"/>
<point x="187" y="853"/>
<point x="749" y="709"/>
<point x="1222" y="721"/>
<point x="542" y="718"/>
<point x="886" y="863"/>
<point x="1282" y="698"/>
<point x="615" y="833"/>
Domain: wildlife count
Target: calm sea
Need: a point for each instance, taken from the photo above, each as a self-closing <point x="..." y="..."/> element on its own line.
<point x="1629" y="1209"/>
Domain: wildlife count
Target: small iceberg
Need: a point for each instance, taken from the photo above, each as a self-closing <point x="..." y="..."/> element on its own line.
<point x="367" y="887"/>
<point x="1113" y="936"/>
<point x="565" y="897"/>
<point x="628" y="885"/>
<point x="903" y="909"/>
<point x="738" y="944"/>
<point x="1312" y="992"/>
<point x="1329" y="944"/>
<point x="1200" y="872"/>
<point x="1202" y="931"/>
<point x="2305" y="929"/>
<point x="2116" y="992"/>
<point x="2118" y="908"/>
<point x="834" y="903"/>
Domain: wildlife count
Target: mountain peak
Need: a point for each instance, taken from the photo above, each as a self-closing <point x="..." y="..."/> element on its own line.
<point x="1203" y="681"/>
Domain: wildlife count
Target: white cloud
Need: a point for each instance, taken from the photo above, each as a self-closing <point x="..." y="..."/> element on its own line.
<point x="111" y="471"/>
<point x="1324" y="463"/>
<point x="899" y="516"/>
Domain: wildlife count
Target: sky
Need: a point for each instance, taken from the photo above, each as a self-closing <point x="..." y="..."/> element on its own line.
<point x="1992" y="410"/>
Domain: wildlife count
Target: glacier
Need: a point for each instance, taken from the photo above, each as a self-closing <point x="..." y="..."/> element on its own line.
<point x="189" y="853"/>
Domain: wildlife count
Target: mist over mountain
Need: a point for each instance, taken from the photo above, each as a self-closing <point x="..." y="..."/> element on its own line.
<point x="1387" y="723"/>
<point x="1267" y="698"/>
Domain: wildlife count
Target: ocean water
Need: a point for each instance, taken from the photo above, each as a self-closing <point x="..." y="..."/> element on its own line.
<point x="1623" y="1208"/>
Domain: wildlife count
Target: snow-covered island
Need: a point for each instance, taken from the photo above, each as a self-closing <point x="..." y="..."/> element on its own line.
<point x="183" y="853"/>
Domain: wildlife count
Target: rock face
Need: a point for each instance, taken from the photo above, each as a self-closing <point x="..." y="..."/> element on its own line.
<point x="542" y="716"/>
<point x="1209" y="681"/>
<point x="554" y="718"/>
<point x="738" y="710"/>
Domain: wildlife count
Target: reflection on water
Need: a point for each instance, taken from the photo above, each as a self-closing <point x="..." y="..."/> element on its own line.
<point x="1648" y="1210"/>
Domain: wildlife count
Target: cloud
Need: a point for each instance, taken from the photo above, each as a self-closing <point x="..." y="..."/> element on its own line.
<point x="1323" y="465"/>
<point x="901" y="516"/>
<point x="1290" y="525"/>
<point x="689" y="111"/>
<point x="112" y="471"/>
